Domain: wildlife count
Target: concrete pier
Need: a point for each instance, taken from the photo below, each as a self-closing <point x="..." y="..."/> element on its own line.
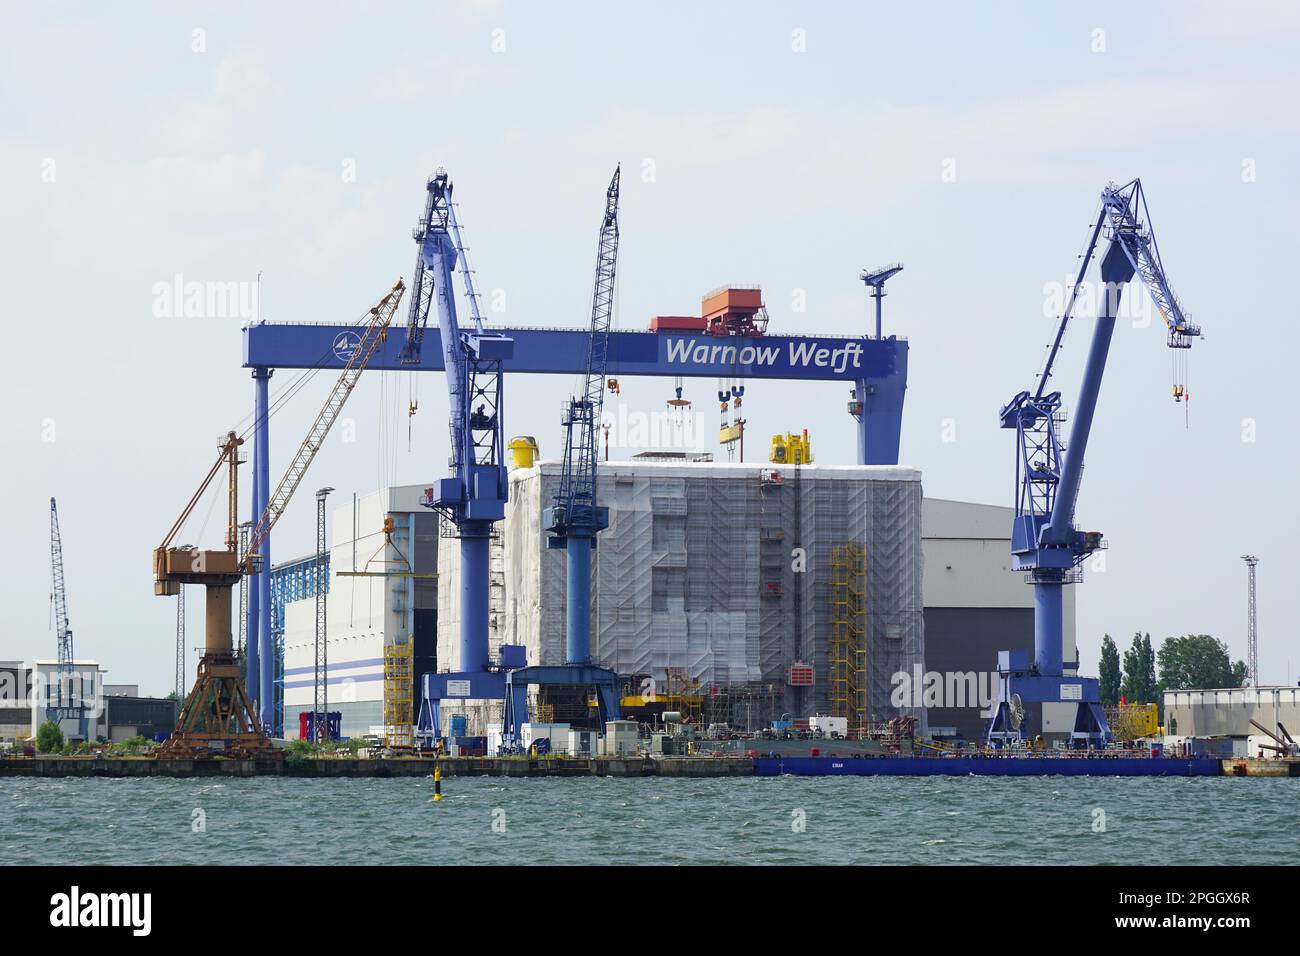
<point x="391" y="767"/>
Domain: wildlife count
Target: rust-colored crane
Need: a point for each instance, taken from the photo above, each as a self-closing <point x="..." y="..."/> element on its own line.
<point x="217" y="715"/>
<point x="1283" y="746"/>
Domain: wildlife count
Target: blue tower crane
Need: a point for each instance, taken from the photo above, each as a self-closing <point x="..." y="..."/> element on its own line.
<point x="1044" y="540"/>
<point x="473" y="499"/>
<point x="575" y="519"/>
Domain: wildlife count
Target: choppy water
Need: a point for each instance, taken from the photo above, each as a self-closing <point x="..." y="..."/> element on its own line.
<point x="933" y="820"/>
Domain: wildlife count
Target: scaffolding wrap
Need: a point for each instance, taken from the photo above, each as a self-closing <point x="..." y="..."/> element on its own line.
<point x="699" y="572"/>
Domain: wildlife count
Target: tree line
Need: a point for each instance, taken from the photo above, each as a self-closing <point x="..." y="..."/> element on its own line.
<point x="1190" y="662"/>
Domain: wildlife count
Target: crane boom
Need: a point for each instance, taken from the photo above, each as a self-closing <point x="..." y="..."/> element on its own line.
<point x="1124" y="217"/>
<point x="1047" y="478"/>
<point x="438" y="235"/>
<point x="576" y="500"/>
<point x="62" y="629"/>
<point x="422" y="283"/>
<point x="371" y="337"/>
<point x="575" y="519"/>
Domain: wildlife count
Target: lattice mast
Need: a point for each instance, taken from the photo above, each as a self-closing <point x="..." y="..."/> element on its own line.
<point x="1252" y="623"/>
<point x="321" y="705"/>
<point x="575" y="519"/>
<point x="60" y="703"/>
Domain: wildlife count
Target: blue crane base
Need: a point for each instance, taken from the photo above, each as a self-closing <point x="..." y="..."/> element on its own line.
<point x="435" y="688"/>
<point x="579" y="543"/>
<point x="1090" y="728"/>
<point x="600" y="679"/>
<point x="510" y="686"/>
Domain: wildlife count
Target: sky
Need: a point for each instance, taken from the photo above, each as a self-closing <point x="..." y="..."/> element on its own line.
<point x="779" y="144"/>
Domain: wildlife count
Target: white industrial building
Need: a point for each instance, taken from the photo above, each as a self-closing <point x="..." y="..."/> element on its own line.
<point x="694" y="575"/>
<point x="381" y="593"/>
<point x="15" y="700"/>
<point x="1227" y="713"/>
<point x="85" y="688"/>
<point x="975" y="606"/>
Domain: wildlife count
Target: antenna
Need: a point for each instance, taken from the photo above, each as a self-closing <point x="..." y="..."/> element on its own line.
<point x="876" y="279"/>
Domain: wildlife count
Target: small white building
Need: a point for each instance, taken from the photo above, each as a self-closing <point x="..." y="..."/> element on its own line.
<point x="15" y="700"/>
<point x="83" y="688"/>
<point x="1228" y="712"/>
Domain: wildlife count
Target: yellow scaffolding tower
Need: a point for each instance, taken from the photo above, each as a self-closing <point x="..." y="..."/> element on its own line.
<point x="398" y="676"/>
<point x="848" y="652"/>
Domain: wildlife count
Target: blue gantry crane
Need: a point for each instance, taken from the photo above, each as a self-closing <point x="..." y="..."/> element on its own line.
<point x="1044" y="540"/>
<point x="473" y="361"/>
<point x="60" y="702"/>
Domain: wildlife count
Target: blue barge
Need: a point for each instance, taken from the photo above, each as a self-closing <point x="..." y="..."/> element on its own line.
<point x="973" y="766"/>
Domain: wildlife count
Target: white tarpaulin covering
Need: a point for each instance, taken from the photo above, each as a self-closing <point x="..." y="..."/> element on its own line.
<point x="696" y="572"/>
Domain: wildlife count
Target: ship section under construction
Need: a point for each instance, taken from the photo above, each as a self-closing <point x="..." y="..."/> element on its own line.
<point x="786" y="589"/>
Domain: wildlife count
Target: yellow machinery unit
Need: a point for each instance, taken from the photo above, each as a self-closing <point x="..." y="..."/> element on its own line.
<point x="791" y="449"/>
<point x="523" y="451"/>
<point x="1133" y="721"/>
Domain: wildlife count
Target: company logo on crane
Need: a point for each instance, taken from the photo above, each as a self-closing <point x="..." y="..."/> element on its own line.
<point x="345" y="345"/>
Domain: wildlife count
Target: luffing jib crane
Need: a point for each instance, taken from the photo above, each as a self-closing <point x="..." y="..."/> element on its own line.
<point x="575" y="518"/>
<point x="1044" y="540"/>
<point x="473" y="499"/>
<point x="59" y="699"/>
<point x="217" y="713"/>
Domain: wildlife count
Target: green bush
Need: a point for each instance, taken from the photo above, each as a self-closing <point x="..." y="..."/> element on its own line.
<point x="132" y="745"/>
<point x="49" y="738"/>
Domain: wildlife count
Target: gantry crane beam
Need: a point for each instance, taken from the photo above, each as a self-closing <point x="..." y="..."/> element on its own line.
<point x="475" y="362"/>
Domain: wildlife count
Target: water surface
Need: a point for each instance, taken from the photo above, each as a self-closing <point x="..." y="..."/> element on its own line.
<point x="657" y="821"/>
